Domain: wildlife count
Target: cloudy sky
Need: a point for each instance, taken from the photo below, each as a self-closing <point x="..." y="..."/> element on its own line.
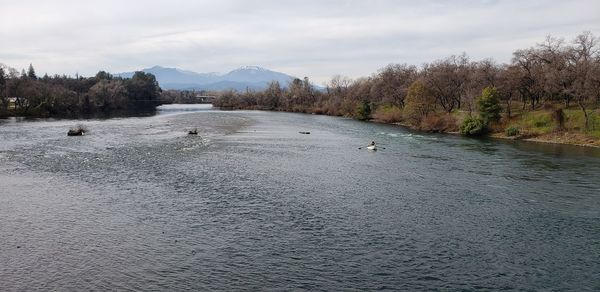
<point x="302" y="38"/>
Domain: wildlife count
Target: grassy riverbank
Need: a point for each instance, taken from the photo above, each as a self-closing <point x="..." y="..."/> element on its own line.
<point x="539" y="125"/>
<point x="542" y="126"/>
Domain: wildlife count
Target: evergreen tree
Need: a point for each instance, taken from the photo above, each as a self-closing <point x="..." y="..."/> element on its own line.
<point x="143" y="90"/>
<point x="489" y="105"/>
<point x="103" y="75"/>
<point x="31" y="72"/>
<point x="2" y="80"/>
<point x="363" y="110"/>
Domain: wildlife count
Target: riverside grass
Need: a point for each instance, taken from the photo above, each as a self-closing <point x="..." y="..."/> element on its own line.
<point x="540" y="122"/>
<point x="535" y="125"/>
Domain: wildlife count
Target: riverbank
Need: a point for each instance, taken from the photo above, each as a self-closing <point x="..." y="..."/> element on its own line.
<point x="554" y="138"/>
<point x="565" y="138"/>
<point x="547" y="124"/>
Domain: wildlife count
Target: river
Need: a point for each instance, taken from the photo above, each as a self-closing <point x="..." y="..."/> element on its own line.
<point x="252" y="204"/>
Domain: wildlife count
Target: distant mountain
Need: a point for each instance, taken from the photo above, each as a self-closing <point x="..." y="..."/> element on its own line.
<point x="253" y="74"/>
<point x="250" y="77"/>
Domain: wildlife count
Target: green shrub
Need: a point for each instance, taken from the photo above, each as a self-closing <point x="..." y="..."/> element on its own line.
<point x="473" y="126"/>
<point x="512" y="131"/>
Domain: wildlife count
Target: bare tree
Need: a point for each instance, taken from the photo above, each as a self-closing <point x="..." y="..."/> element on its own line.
<point x="338" y="85"/>
<point x="584" y="57"/>
<point x="530" y="86"/>
<point x="446" y="80"/>
<point x="300" y="95"/>
<point x="272" y="95"/>
<point x="508" y="84"/>
<point x="479" y="76"/>
<point x="392" y="82"/>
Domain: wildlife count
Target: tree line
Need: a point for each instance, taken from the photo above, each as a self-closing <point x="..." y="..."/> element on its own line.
<point x="553" y="72"/>
<point x="26" y="94"/>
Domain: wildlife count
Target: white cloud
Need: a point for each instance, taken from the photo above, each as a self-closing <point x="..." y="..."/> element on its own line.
<point x="303" y="38"/>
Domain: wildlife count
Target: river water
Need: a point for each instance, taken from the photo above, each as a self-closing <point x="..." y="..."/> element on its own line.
<point x="252" y="204"/>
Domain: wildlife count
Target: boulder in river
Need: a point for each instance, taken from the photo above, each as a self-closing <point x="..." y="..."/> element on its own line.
<point x="77" y="131"/>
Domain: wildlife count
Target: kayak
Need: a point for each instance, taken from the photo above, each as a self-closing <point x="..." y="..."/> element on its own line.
<point x="372" y="147"/>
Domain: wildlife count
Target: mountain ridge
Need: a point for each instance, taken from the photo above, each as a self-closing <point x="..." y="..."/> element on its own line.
<point x="242" y="78"/>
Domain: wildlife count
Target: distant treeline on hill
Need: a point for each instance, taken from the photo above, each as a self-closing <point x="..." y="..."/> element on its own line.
<point x="564" y="74"/>
<point x="26" y="94"/>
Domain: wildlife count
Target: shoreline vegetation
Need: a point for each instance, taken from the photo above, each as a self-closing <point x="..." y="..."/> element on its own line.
<point x="547" y="93"/>
<point x="27" y="95"/>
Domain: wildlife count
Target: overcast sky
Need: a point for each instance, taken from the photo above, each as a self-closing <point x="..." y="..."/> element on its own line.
<point x="303" y="38"/>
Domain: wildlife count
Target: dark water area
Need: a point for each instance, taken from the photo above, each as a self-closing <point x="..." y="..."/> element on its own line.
<point x="251" y="204"/>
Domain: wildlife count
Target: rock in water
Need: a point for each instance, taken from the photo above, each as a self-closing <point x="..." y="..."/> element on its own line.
<point x="75" y="132"/>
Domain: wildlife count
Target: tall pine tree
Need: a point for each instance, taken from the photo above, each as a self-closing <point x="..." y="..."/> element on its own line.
<point x="31" y="72"/>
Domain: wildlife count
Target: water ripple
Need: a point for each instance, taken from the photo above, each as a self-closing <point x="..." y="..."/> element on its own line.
<point x="250" y="204"/>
